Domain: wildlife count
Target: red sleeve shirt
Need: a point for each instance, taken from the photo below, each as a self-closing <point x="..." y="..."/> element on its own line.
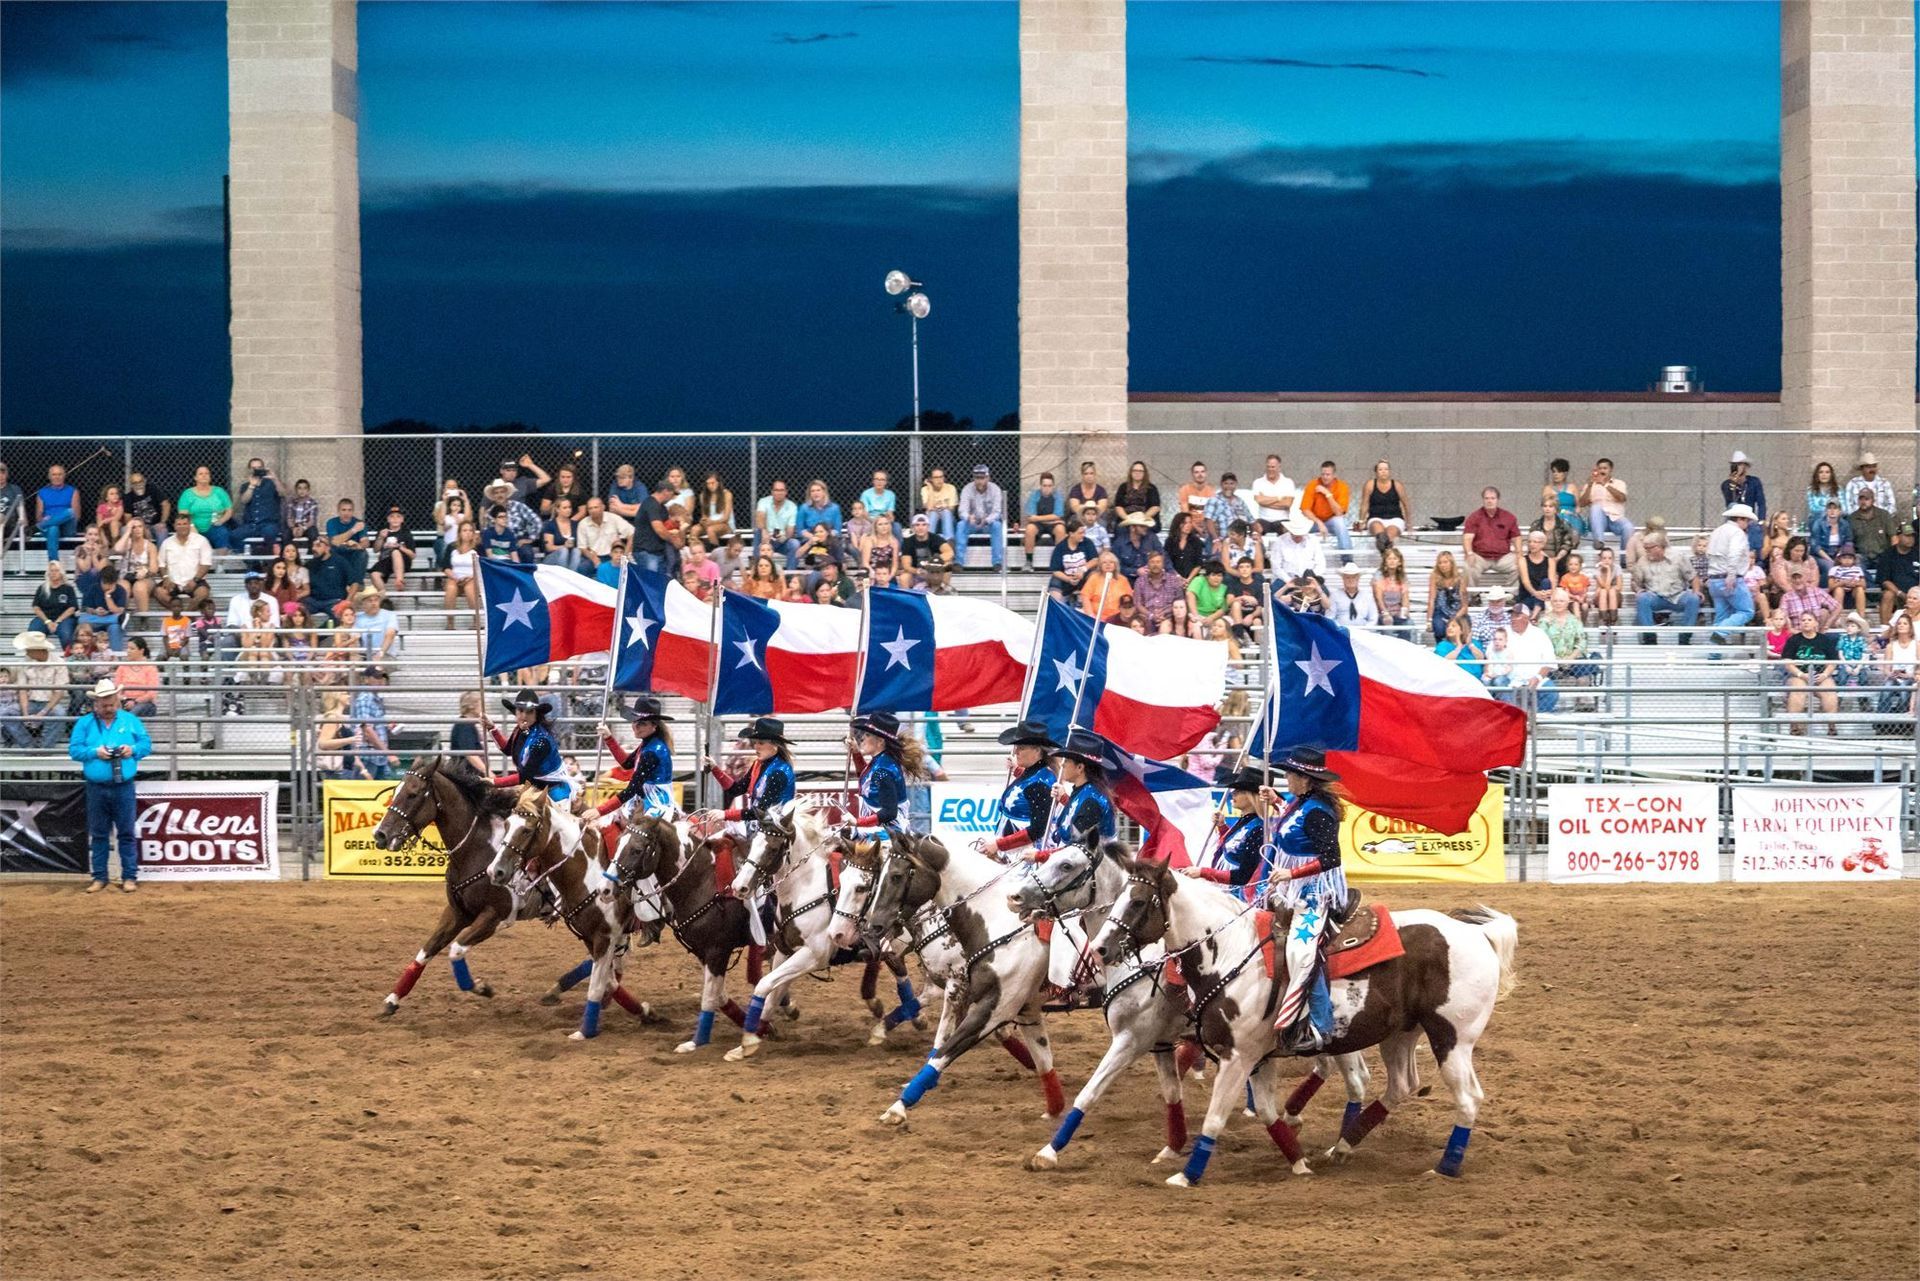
<point x="1493" y="536"/>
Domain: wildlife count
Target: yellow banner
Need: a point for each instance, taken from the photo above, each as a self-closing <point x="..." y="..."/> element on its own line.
<point x="1384" y="850"/>
<point x="351" y="809"/>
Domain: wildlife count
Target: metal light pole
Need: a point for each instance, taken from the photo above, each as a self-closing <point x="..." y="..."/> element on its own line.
<point x="916" y="306"/>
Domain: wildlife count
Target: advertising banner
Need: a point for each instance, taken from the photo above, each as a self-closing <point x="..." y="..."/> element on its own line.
<point x="208" y="831"/>
<point x="963" y="812"/>
<point x="350" y="809"/>
<point x="1816" y="834"/>
<point x="1667" y="832"/>
<point x="43" y="828"/>
<point x="1384" y="850"/>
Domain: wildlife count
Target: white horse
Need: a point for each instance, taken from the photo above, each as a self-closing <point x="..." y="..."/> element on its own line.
<point x="1453" y="971"/>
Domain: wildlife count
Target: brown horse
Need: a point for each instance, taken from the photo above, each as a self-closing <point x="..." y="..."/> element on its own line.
<point x="599" y="916"/>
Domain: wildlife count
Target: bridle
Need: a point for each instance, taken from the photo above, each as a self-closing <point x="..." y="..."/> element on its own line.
<point x="410" y="819"/>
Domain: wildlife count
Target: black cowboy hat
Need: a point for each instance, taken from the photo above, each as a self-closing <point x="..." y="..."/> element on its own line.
<point x="1028" y="734"/>
<point x="1247" y="780"/>
<point x="880" y="724"/>
<point x="1085" y="745"/>
<point x="647" y="708"/>
<point x="527" y="701"/>
<point x="1310" y="761"/>
<point x="765" y="729"/>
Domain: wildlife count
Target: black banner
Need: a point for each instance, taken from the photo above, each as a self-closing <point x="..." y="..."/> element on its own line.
<point x="43" y="827"/>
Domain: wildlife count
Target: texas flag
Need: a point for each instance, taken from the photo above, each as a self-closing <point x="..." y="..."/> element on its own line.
<point x="784" y="657"/>
<point x="1174" y="809"/>
<point x="542" y="614"/>
<point x="1411" y="734"/>
<point x="938" y="653"/>
<point x="1155" y="695"/>
<point x="664" y="640"/>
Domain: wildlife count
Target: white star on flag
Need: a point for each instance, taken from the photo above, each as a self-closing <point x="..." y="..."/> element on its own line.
<point x="519" y="611"/>
<point x="897" y="649"/>
<point x="1070" y="674"/>
<point x="637" y="625"/>
<point x="1317" y="670"/>
<point x="748" y="657"/>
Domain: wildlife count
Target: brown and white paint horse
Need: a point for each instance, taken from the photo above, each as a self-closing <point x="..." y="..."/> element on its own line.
<point x="599" y="917"/>
<point x="1455" y="968"/>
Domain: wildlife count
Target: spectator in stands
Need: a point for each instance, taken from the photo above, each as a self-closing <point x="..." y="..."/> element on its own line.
<point x="608" y="571"/>
<point x="1327" y="500"/>
<point x="525" y="478"/>
<point x="1569" y="639"/>
<point x="1872" y="524"/>
<point x="1869" y="480"/>
<point x="1742" y="486"/>
<point x="176" y="630"/>
<point x="523" y="523"/>
<point x="89" y="559"/>
<point x="1847" y="580"/>
<point x="1777" y="540"/>
<point x="1608" y="588"/>
<point x="878" y="551"/>
<point x="110" y="514"/>
<point x="1351" y="603"/>
<point x="1196" y="493"/>
<point x="103" y="603"/>
<point x="1829" y="532"/>
<point x="1392" y="593"/>
<point x="828" y="586"/>
<point x="1563" y="535"/>
<point x="1603" y="502"/>
<point x="857" y="526"/>
<point x="1661" y="586"/>
<point x="695" y="560"/>
<point x="1823" y="490"/>
<point x="139" y="560"/>
<point x="1446" y="593"/>
<point x="1241" y="547"/>
<point x="1129" y="616"/>
<point x="1805" y="596"/>
<point x="1097" y="532"/>
<point x="42" y="681"/>
<point x="560" y="539"/>
<point x="1808" y="659"/>
<point x="138" y="679"/>
<point x="1104" y="586"/>
<point x="185" y="561"/>
<point x="259" y="520"/>
<point x="1457" y="645"/>
<point x="1530" y="651"/>
<point x="1043" y="515"/>
<point x="733" y="557"/>
<point x="1656" y="527"/>
<point x="1273" y="493"/>
<point x="301" y="519"/>
<point x="1297" y="549"/>
<point x="1559" y="491"/>
<point x="595" y="534"/>
<point x="923" y="543"/>
<point x="257" y="644"/>
<point x="625" y="495"/>
<point x="377" y="626"/>
<point x="1538" y="575"/>
<point x="1072" y="560"/>
<point x="1246" y="606"/>
<point x="565" y="484"/>
<point x="1224" y="508"/>
<point x="983" y="509"/>
<point x="351" y="537"/>
<point x="1186" y="547"/>
<point x="1495" y="618"/>
<point x="775" y="518"/>
<point x="239" y="610"/>
<point x="370" y="723"/>
<point x="55" y="510"/>
<point x="1487" y="538"/>
<point x="1138" y="496"/>
<point x="1729" y="553"/>
<point x="465" y="742"/>
<point x="328" y="583"/>
<point x="143" y="504"/>
<point x="281" y="586"/>
<point x="766" y="582"/>
<point x="110" y="744"/>
<point x="496" y="540"/>
<point x="1158" y="592"/>
<point x="939" y="500"/>
<point x="1306" y="594"/>
<point x="1385" y="506"/>
<point x="1895" y="667"/>
<point x="817" y="546"/>
<point x="679" y="499"/>
<point x="1898" y="571"/>
<point x="877" y="498"/>
<point x="56" y="606"/>
<point x="713" y="509"/>
<point x="1207" y="597"/>
<point x="1854" y="668"/>
<point x="336" y="738"/>
<point x="1136" y="541"/>
<point x="210" y="506"/>
<point x="393" y="552"/>
<point x="819" y="509"/>
<point x="13" y="508"/>
<point x="1088" y="492"/>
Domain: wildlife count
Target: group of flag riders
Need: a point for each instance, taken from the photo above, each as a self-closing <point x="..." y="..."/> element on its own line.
<point x="1285" y="847"/>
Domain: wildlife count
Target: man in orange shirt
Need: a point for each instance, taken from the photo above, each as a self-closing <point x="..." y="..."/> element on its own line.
<point x="1326" y="500"/>
<point x="1100" y="594"/>
<point x="1194" y="495"/>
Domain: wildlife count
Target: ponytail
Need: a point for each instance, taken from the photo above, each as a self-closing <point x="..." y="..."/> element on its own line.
<point x="911" y="754"/>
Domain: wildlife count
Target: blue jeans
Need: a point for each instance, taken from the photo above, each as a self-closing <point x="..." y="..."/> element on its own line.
<point x="1603" y="524"/>
<point x="1730" y="608"/>
<point x="110" y="807"/>
<point x="1684" y="608"/>
<point x="996" y="532"/>
<point x="53" y="528"/>
<point x="219" y="537"/>
<point x="116" y="636"/>
<point x="266" y="531"/>
<point x="61" y="631"/>
<point x="650" y="562"/>
<point x="1342" y="536"/>
<point x="787" y="548"/>
<point x="1546" y="697"/>
<point x="941" y="522"/>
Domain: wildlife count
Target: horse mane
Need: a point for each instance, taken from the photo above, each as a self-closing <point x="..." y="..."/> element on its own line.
<point x="476" y="790"/>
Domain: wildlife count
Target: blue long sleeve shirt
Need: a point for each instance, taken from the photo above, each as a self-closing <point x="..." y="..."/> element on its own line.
<point x="90" y="735"/>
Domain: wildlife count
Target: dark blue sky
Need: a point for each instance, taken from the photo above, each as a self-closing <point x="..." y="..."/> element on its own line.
<point x="677" y="215"/>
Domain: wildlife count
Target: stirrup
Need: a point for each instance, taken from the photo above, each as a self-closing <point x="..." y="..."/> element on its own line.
<point x="1303" y="1038"/>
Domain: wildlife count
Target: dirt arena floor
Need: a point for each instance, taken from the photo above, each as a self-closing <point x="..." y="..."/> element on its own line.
<point x="1710" y="1082"/>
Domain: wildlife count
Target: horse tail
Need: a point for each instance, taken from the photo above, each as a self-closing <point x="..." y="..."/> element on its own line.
<point x="1503" y="935"/>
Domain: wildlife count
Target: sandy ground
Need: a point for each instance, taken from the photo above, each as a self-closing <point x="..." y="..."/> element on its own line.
<point x="1708" y="1081"/>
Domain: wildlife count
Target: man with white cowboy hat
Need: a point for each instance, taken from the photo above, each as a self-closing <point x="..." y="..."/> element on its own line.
<point x="1136" y="541"/>
<point x="42" y="681"/>
<point x="1871" y="479"/>
<point x="1741" y="486"/>
<point x="1351" y="604"/>
<point x="1296" y="550"/>
<point x="1729" y="553"/>
<point x="109" y="744"/>
<point x="522" y="521"/>
<point x="1496" y="617"/>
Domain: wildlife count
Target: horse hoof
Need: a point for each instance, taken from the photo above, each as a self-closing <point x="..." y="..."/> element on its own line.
<point x="1180" y="1180"/>
<point x="1045" y="1159"/>
<point x="878" y="1036"/>
<point x="1340" y="1153"/>
<point x="1301" y="1167"/>
<point x="748" y="1047"/>
<point x="790" y="1012"/>
<point x="1167" y="1155"/>
<point x="483" y="989"/>
<point x="920" y="1024"/>
<point x="895" y="1115"/>
<point x="388" y="1009"/>
<point x="551" y="998"/>
<point x="686" y="1047"/>
<point x="577" y="1035"/>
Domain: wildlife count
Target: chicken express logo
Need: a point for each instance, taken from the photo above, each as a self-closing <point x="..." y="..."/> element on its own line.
<point x="1379" y="841"/>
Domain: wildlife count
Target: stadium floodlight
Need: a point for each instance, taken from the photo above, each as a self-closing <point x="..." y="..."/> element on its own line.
<point x="917" y="306"/>
<point x="898" y="282"/>
<point x="914" y="307"/>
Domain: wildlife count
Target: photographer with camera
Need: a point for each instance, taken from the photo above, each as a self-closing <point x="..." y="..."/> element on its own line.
<point x="109" y="745"/>
<point x="259" y="503"/>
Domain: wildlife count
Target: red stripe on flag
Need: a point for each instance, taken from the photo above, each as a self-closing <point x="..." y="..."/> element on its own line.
<point x="1449" y="734"/>
<point x="1164" y="840"/>
<point x="1145" y="729"/>
<point x="810" y="682"/>
<point x="1443" y="800"/>
<point x="976" y="675"/>
<point x="579" y="626"/>
<point x="680" y="665"/>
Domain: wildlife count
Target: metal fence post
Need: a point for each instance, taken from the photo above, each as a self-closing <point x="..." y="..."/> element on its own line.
<point x="753" y="476"/>
<point x="439" y="463"/>
<point x="593" y="467"/>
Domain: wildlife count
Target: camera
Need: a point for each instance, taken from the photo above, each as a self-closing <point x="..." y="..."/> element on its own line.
<point x="259" y="473"/>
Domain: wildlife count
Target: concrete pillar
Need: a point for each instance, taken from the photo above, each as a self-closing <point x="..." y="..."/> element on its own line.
<point x="294" y="195"/>
<point x="1073" y="236"/>
<point x="1847" y="224"/>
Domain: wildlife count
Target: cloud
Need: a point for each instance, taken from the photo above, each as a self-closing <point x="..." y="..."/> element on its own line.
<point x="1523" y="162"/>
<point x="91" y="41"/>
<point x="1308" y="65"/>
<point x="818" y="37"/>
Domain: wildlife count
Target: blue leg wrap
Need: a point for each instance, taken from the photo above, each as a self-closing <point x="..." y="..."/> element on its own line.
<point x="925" y="1079"/>
<point x="590" y="1019"/>
<point x="1320" y="1004"/>
<point x="1250" y="1106"/>
<point x="1348" y="1117"/>
<point x="1198" y="1158"/>
<point x="1068" y="1124"/>
<point x="703" y="1030"/>
<point x="1456" y="1152"/>
<point x="909" y="1003"/>
<point x="752" y="1022"/>
<point x="462" y="975"/>
<point x="576" y="976"/>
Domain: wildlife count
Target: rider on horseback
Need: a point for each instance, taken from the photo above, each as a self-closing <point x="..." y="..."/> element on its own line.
<point x="770" y="782"/>
<point x="885" y="761"/>
<point x="537" y="761"/>
<point x="1082" y="815"/>
<point x="1027" y="802"/>
<point x="650" y="790"/>
<point x="1238" y="858"/>
<point x="1307" y="877"/>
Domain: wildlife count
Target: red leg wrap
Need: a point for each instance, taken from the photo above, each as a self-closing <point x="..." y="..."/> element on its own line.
<point x="870" y="981"/>
<point x="1374" y="1113"/>
<point x="408" y="977"/>
<point x="1303" y="1093"/>
<point x="1285" y="1139"/>
<point x="1018" y="1049"/>
<point x="733" y="1011"/>
<point x="624" y="999"/>
<point x="1177" y="1126"/>
<point x="1185" y="1056"/>
<point x="756" y="956"/>
<point x="1056" y="1097"/>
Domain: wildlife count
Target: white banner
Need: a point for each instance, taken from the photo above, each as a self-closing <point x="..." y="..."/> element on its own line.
<point x="1816" y="834"/>
<point x="208" y="831"/>
<point x="1647" y="832"/>
<point x="964" y="812"/>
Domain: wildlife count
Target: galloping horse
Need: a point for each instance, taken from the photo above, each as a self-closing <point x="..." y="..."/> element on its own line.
<point x="1454" y="968"/>
<point x="1142" y="1010"/>
<point x="470" y="814"/>
<point x="599" y="917"/>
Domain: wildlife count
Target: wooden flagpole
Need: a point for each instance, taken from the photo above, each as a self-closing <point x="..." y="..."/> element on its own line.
<point x="613" y="658"/>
